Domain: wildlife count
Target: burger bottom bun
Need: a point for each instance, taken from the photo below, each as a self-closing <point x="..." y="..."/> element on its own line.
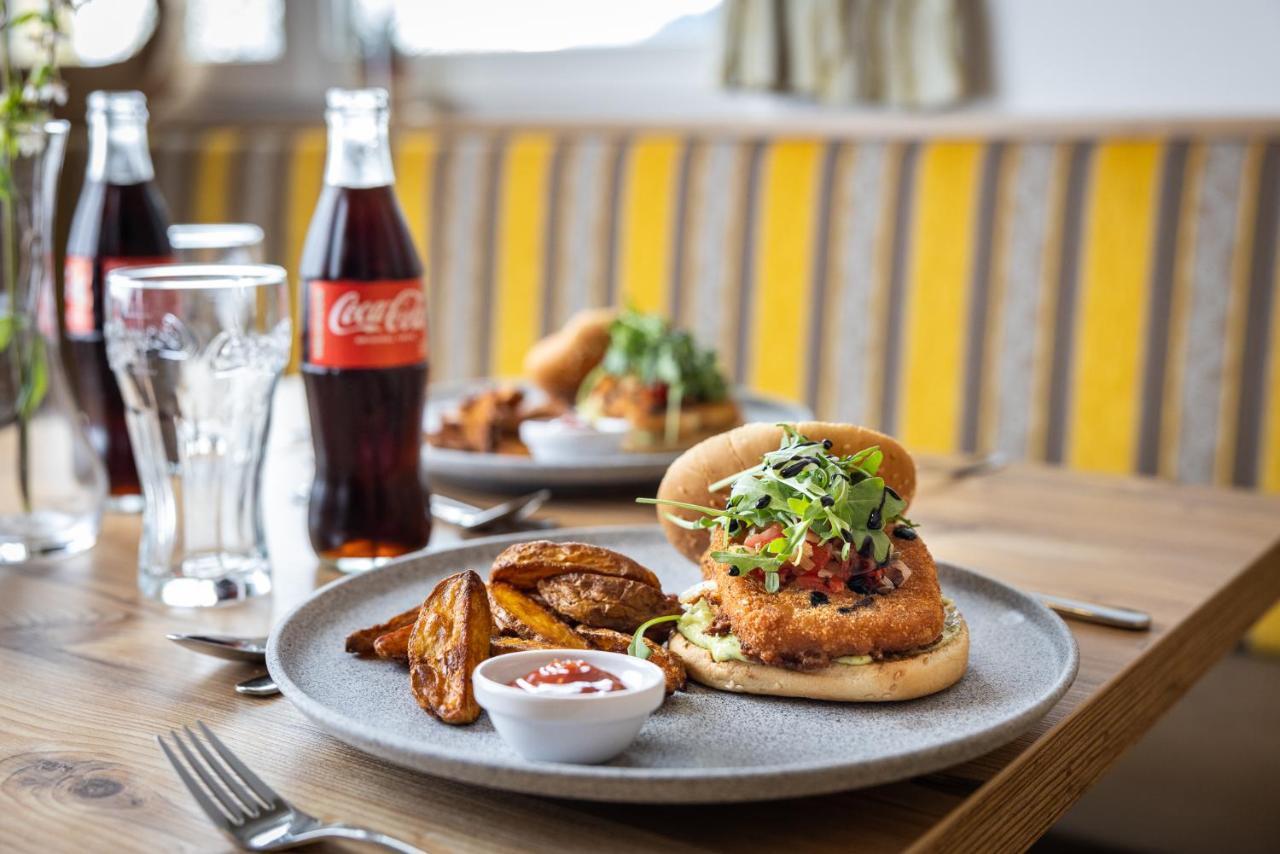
<point x="882" y="681"/>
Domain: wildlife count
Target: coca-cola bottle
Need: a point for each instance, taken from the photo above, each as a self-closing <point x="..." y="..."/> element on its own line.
<point x="364" y="345"/>
<point x="120" y="221"/>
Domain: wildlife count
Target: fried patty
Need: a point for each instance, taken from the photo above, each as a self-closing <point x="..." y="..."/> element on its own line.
<point x="787" y="629"/>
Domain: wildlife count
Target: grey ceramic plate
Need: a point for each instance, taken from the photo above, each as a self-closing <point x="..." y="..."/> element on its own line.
<point x="702" y="745"/>
<point x="506" y="472"/>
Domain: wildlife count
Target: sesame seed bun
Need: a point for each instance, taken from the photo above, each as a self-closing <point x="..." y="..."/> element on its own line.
<point x="714" y="459"/>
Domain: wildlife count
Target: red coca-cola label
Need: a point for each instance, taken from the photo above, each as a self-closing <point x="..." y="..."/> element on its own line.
<point x="376" y="324"/>
<point x="78" y="297"/>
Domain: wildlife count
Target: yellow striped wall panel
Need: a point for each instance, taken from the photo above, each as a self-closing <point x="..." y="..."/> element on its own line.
<point x="784" y="266"/>
<point x="214" y="169"/>
<point x="937" y="295"/>
<point x="1131" y="236"/>
<point x="648" y="217"/>
<point x="1111" y="330"/>
<point x="1229" y="401"/>
<point x="414" y="161"/>
<point x="520" y="250"/>
<point x="1270" y="450"/>
<point x="306" y="177"/>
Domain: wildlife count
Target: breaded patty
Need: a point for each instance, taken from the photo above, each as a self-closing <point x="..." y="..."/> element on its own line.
<point x="786" y="629"/>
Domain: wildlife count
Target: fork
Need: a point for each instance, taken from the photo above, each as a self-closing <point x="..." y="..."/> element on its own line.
<point x="248" y="810"/>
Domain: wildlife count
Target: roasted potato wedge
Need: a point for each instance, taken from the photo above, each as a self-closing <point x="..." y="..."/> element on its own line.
<point x="611" y="641"/>
<point x="394" y="646"/>
<point x="450" y="637"/>
<point x="605" y="601"/>
<point x="516" y="612"/>
<point x="361" y="641"/>
<point x="503" y="645"/>
<point x="525" y="564"/>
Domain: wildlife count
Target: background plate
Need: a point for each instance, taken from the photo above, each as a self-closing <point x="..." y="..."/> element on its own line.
<point x="702" y="745"/>
<point x="506" y="472"/>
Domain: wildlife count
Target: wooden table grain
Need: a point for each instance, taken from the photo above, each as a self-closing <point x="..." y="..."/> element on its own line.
<point x="87" y="680"/>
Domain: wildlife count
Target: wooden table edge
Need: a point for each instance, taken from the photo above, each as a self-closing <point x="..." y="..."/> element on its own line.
<point x="1020" y="803"/>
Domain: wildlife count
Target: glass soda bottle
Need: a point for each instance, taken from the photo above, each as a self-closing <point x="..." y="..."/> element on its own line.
<point x="364" y="348"/>
<point x="120" y="221"/>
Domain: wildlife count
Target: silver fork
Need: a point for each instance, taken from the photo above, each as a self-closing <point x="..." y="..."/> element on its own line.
<point x="247" y="809"/>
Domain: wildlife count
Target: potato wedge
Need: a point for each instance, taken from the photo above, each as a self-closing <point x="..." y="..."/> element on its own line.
<point x="394" y="646"/>
<point x="503" y="645"/>
<point x="611" y="641"/>
<point x="451" y="636"/>
<point x="524" y="564"/>
<point x="361" y="641"/>
<point x="605" y="601"/>
<point x="516" y="612"/>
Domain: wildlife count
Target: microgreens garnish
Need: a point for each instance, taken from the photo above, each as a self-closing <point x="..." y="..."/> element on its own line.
<point x="638" y="647"/>
<point x="804" y="489"/>
<point x="646" y="347"/>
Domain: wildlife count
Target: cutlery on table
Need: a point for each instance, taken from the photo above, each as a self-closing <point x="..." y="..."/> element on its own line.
<point x="251" y="650"/>
<point x="223" y="646"/>
<point x="246" y="809"/>
<point x="985" y="464"/>
<point x="1091" y="612"/>
<point x="258" y="686"/>
<point x="513" y="513"/>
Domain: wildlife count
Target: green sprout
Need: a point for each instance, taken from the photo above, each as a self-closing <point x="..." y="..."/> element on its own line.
<point x="804" y="489"/>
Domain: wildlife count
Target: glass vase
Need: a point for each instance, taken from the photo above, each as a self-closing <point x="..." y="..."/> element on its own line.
<point x="52" y="486"/>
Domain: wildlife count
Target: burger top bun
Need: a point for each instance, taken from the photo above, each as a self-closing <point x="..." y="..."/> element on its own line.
<point x="560" y="362"/>
<point x="714" y="459"/>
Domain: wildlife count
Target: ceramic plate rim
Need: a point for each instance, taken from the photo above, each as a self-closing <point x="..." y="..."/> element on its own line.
<point x="663" y="785"/>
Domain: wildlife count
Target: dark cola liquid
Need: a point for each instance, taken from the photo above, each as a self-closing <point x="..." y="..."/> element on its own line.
<point x="114" y="225"/>
<point x="367" y="501"/>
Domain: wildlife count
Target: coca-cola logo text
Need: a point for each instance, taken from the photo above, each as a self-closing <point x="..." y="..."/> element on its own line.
<point x="351" y="315"/>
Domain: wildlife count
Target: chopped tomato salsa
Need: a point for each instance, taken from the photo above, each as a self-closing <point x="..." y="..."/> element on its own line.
<point x="821" y="567"/>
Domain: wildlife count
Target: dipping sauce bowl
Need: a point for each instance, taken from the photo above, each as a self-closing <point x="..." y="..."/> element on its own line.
<point x="579" y="728"/>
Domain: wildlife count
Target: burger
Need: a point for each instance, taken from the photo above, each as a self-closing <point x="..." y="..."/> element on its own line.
<point x="638" y="368"/>
<point x="815" y="582"/>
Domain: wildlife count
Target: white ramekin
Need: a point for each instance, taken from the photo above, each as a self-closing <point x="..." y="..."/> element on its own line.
<point x="560" y="440"/>
<point x="586" y="728"/>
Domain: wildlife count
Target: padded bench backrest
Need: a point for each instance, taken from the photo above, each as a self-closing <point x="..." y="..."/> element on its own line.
<point x="1106" y="303"/>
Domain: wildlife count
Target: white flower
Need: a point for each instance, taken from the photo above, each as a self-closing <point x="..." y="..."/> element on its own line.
<point x="53" y="92"/>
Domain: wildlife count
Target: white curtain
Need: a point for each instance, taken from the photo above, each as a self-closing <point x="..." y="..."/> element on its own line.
<point x="904" y="53"/>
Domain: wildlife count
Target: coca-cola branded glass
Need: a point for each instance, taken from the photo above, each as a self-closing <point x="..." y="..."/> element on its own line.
<point x="197" y="350"/>
<point x="216" y="243"/>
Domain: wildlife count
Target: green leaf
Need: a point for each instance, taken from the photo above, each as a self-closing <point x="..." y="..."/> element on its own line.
<point x="7" y="325"/>
<point x="746" y="560"/>
<point x="35" y="380"/>
<point x="665" y="502"/>
<point x="647" y="347"/>
<point x="638" y="647"/>
<point x="872" y="463"/>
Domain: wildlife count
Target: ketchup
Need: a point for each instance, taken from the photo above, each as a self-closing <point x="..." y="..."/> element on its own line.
<point x="568" y="676"/>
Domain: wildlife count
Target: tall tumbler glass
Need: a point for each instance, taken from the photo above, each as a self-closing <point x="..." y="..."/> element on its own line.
<point x="197" y="350"/>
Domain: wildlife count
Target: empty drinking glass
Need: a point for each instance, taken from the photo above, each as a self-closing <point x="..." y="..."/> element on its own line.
<point x="197" y="350"/>
<point x="216" y="243"/>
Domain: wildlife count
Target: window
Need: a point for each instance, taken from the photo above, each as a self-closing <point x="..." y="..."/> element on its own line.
<point x="234" y="31"/>
<point x="518" y="26"/>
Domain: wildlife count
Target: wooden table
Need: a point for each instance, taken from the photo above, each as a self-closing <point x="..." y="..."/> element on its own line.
<point x="87" y="681"/>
